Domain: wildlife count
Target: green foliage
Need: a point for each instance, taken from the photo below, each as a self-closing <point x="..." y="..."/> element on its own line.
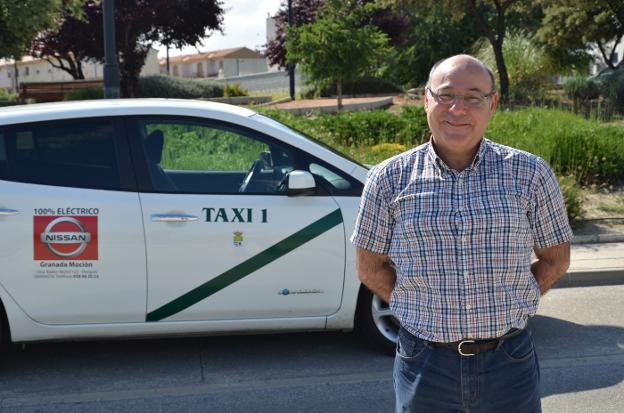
<point x="162" y="86"/>
<point x="432" y="34"/>
<point x="571" y="27"/>
<point x="572" y="197"/>
<point x="189" y="147"/>
<point x="21" y="21"/>
<point x="611" y="83"/>
<point x="354" y="133"/>
<point x="579" y="88"/>
<point x="589" y="151"/>
<point x="234" y="89"/>
<point x="528" y="65"/>
<point x="85" y="94"/>
<point x="337" y="47"/>
<point x="362" y="86"/>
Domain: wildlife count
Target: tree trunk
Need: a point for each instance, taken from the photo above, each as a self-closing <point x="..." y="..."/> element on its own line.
<point x="497" y="46"/>
<point x="339" y="91"/>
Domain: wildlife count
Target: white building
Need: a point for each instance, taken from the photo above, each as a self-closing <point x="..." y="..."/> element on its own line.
<point x="233" y="62"/>
<point x="31" y="69"/>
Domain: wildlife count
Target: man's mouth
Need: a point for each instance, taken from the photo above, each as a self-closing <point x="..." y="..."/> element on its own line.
<point x="456" y="124"/>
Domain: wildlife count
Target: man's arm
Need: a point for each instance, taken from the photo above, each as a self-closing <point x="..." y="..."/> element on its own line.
<point x="552" y="264"/>
<point x="376" y="273"/>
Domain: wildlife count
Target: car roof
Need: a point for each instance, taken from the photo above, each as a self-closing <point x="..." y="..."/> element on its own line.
<point x="120" y="107"/>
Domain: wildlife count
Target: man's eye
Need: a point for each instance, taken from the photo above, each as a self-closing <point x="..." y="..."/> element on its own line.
<point x="472" y="100"/>
<point x="445" y="97"/>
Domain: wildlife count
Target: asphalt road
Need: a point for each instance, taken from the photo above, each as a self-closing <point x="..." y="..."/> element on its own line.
<point x="579" y="334"/>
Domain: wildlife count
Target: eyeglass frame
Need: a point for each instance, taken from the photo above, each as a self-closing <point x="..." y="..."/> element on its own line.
<point x="485" y="97"/>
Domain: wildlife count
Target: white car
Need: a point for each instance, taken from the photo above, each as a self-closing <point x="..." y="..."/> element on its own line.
<point x="134" y="218"/>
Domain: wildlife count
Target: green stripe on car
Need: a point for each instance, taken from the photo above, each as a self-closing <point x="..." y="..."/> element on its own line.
<point x="247" y="267"/>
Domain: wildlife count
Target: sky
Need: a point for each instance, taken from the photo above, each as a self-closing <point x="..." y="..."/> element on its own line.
<point x="244" y="24"/>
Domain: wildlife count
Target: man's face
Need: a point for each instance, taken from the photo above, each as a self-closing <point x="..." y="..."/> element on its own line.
<point x="458" y="127"/>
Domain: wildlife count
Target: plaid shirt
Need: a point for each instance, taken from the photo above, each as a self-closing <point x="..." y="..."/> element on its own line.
<point x="462" y="242"/>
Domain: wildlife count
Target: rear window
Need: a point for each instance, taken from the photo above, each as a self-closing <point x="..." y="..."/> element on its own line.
<point x="75" y="154"/>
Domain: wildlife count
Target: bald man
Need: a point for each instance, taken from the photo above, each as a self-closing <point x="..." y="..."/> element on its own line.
<point x="445" y="234"/>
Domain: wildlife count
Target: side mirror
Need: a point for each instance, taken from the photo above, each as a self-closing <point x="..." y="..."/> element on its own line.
<point x="300" y="183"/>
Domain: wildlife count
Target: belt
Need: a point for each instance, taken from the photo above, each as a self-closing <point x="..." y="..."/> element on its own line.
<point x="473" y="347"/>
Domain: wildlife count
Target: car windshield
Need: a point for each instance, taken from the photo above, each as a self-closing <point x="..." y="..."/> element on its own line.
<point x="279" y="125"/>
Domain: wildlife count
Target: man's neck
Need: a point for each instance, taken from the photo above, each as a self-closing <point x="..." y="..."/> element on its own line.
<point x="456" y="161"/>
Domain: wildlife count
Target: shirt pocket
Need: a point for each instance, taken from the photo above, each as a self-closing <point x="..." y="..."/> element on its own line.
<point x="422" y="216"/>
<point x="500" y="214"/>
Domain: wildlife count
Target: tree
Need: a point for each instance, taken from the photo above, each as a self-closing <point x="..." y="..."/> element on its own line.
<point x="337" y="47"/>
<point x="304" y="11"/>
<point x="602" y="23"/>
<point x="138" y="24"/>
<point x="21" y="20"/>
<point x="66" y="48"/>
<point x="431" y="35"/>
<point x="491" y="19"/>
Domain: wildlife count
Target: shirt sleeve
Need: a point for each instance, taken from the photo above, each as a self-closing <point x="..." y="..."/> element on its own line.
<point x="550" y="223"/>
<point x="373" y="226"/>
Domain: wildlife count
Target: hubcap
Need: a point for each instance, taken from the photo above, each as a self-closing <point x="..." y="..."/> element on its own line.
<point x="385" y="321"/>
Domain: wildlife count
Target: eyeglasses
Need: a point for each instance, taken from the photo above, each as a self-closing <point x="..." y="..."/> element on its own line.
<point x="472" y="100"/>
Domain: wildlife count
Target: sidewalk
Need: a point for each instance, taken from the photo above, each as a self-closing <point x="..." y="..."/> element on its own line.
<point x="597" y="256"/>
<point x="595" y="264"/>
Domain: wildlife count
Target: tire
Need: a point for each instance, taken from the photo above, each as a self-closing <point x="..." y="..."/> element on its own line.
<point x="5" y="334"/>
<point x="376" y="323"/>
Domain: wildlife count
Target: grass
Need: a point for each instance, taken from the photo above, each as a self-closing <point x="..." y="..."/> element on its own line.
<point x="616" y="208"/>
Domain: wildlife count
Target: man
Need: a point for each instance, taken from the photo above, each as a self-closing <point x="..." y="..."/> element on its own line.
<point x="445" y="235"/>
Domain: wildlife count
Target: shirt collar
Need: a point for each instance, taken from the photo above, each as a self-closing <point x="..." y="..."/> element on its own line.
<point x="441" y="165"/>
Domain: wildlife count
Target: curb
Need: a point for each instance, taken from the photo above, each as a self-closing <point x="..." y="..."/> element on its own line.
<point x="375" y="104"/>
<point x="597" y="238"/>
<point x="591" y="278"/>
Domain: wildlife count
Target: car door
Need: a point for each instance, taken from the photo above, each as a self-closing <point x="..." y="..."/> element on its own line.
<point x="73" y="249"/>
<point x="224" y="242"/>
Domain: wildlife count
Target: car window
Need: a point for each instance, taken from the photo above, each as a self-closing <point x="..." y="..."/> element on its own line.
<point x="3" y="158"/>
<point x="336" y="181"/>
<point x="75" y="154"/>
<point x="189" y="157"/>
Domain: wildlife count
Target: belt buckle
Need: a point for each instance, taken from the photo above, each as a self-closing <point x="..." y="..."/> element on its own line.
<point x="459" y="348"/>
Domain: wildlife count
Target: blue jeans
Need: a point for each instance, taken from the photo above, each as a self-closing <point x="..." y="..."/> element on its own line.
<point x="432" y="379"/>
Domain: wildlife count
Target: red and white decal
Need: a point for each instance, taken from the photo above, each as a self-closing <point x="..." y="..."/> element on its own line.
<point x="65" y="237"/>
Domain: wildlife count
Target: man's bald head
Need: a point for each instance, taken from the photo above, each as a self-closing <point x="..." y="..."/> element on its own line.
<point x="461" y="60"/>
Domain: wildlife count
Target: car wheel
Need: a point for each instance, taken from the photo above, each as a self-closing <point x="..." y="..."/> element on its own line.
<point x="376" y="323"/>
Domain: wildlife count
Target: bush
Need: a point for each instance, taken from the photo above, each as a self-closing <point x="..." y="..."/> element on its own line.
<point x="579" y="88"/>
<point x="85" y="94"/>
<point x="362" y="86"/>
<point x="234" y="89"/>
<point x="355" y="132"/>
<point x="611" y="83"/>
<point x="586" y="149"/>
<point x="573" y="200"/>
<point x="529" y="67"/>
<point x="8" y="99"/>
<point x="162" y="86"/>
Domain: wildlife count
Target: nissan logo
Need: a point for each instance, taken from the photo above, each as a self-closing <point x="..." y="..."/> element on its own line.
<point x="80" y="238"/>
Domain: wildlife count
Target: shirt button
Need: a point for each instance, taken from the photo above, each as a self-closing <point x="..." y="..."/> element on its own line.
<point x="466" y="274"/>
<point x="468" y="307"/>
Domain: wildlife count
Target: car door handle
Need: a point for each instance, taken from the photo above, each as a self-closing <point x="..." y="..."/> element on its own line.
<point x="8" y="212"/>
<point x="173" y="218"/>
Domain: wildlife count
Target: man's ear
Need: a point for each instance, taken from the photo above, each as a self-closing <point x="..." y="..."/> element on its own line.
<point x="494" y="102"/>
<point x="425" y="99"/>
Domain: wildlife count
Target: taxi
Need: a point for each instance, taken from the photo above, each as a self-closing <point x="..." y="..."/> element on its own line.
<point x="136" y="218"/>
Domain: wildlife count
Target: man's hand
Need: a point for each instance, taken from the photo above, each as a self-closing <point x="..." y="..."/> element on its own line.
<point x="552" y="264"/>
<point x="376" y="273"/>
